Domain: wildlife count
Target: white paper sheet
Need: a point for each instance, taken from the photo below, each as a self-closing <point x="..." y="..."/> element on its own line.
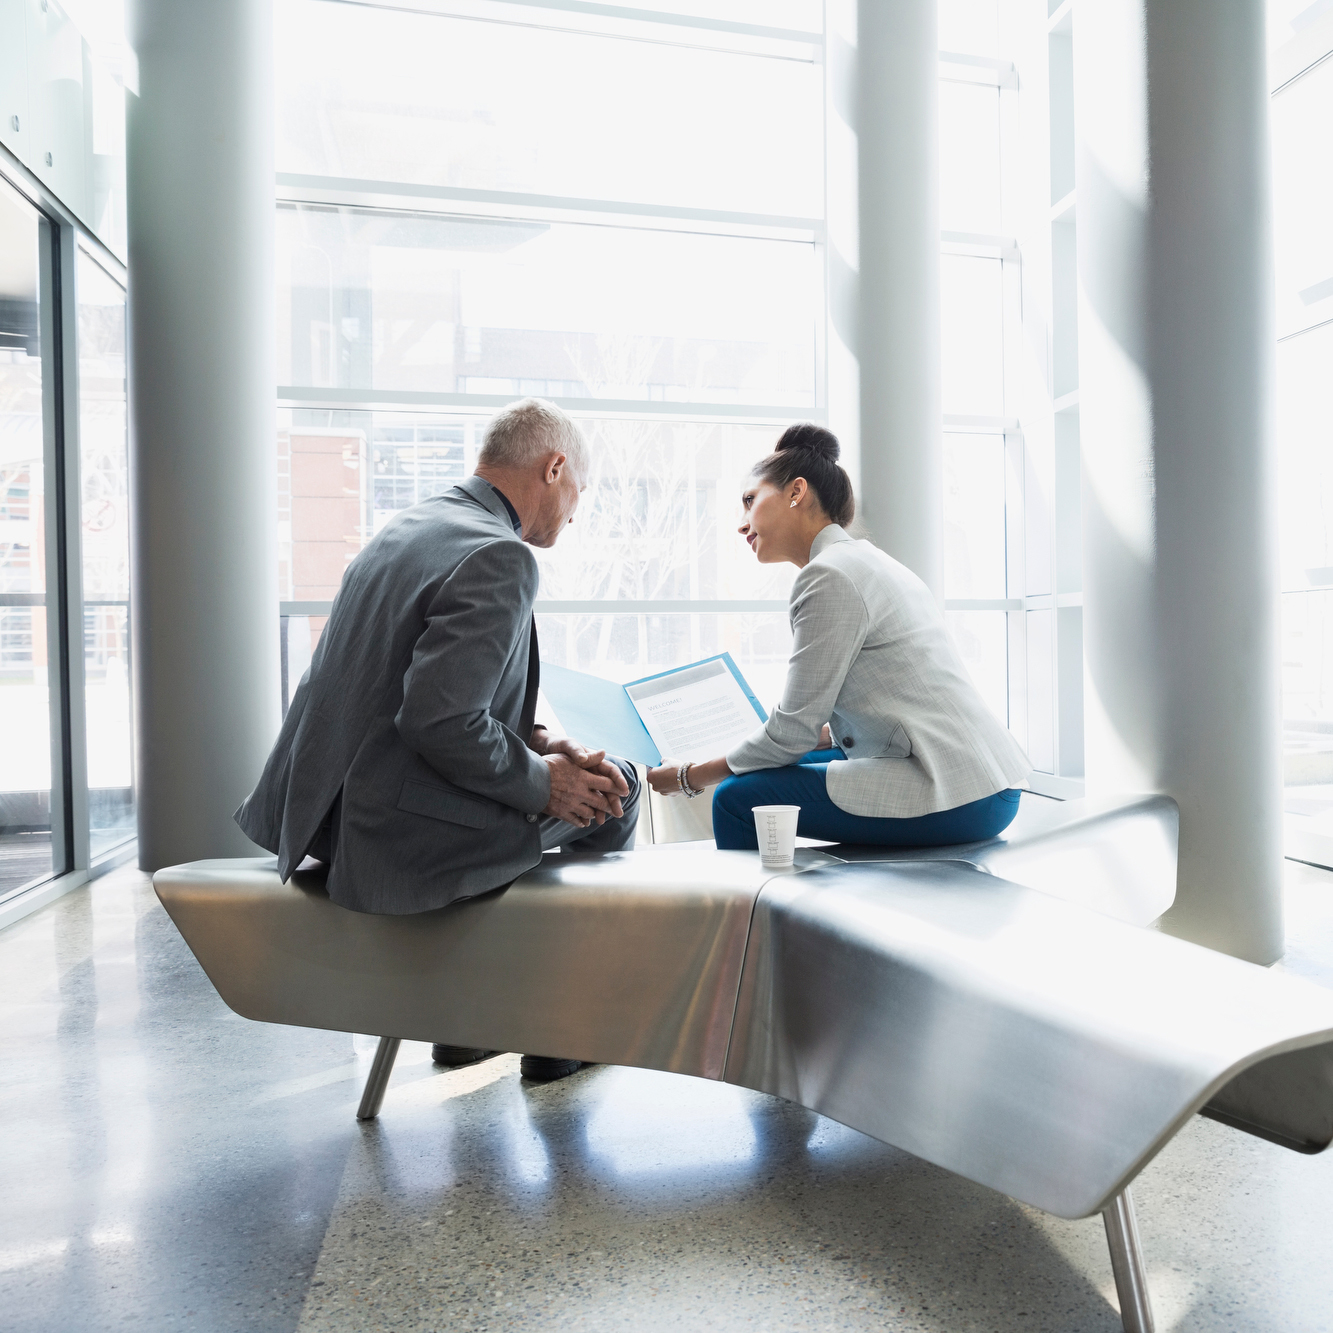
<point x="696" y="713"/>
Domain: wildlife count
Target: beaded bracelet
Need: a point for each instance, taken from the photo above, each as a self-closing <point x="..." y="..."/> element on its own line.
<point x="683" y="782"/>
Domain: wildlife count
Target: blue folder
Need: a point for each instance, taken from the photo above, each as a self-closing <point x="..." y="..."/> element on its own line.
<point x="599" y="714"/>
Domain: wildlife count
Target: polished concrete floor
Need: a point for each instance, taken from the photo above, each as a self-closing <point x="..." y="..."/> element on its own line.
<point x="167" y="1165"/>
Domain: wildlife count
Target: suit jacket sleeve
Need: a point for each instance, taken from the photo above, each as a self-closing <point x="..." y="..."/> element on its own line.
<point x="478" y="619"/>
<point x="829" y="623"/>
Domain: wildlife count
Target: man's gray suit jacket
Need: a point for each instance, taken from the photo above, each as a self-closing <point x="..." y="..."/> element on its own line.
<point x="404" y="758"/>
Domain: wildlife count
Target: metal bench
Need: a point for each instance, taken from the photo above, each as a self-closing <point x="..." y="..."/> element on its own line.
<point x="997" y="1009"/>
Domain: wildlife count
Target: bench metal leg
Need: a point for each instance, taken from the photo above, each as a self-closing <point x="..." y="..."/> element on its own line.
<point x="378" y="1082"/>
<point x="1131" y="1278"/>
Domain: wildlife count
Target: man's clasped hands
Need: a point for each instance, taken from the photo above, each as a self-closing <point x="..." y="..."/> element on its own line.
<point x="585" y="785"/>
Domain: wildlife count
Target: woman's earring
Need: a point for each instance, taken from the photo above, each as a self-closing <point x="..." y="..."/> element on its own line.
<point x="792" y="505"/>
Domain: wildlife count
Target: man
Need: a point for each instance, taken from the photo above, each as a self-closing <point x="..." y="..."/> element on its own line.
<point x="410" y="760"/>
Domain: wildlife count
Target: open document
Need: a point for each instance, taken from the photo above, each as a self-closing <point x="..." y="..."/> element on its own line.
<point x="693" y="712"/>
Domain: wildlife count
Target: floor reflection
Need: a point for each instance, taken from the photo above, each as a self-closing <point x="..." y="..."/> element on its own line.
<point x="646" y="1123"/>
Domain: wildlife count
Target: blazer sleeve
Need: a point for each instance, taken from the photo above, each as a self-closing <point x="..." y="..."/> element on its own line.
<point x="829" y="623"/>
<point x="478" y="619"/>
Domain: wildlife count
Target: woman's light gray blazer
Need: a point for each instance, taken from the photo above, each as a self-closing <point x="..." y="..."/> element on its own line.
<point x="871" y="657"/>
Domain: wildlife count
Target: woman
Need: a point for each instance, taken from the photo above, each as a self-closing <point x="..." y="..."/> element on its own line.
<point x="920" y="760"/>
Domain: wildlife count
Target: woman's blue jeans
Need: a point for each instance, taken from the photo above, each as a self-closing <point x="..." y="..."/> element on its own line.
<point x="804" y="783"/>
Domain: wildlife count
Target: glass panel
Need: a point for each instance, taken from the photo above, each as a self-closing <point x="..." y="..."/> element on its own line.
<point x="446" y="304"/>
<point x="1305" y="452"/>
<point x="972" y="326"/>
<point x="1307" y="707"/>
<point x="658" y="519"/>
<point x="392" y="96"/>
<point x="1303" y="261"/>
<point x="660" y="515"/>
<point x="106" y="556"/>
<point x="323" y="475"/>
<point x="1303" y="200"/>
<point x="29" y="686"/>
<point x="981" y="638"/>
<point x="974" y="520"/>
<point x="970" y="27"/>
<point x="1307" y="679"/>
<point x="969" y="157"/>
<point x="1041" y="689"/>
<point x="1305" y="442"/>
<point x="624" y="647"/>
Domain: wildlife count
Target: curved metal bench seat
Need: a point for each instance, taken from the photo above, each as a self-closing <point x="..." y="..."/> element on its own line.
<point x="1026" y="1043"/>
<point x="996" y="1009"/>
<point x="631" y="959"/>
<point x="1114" y="854"/>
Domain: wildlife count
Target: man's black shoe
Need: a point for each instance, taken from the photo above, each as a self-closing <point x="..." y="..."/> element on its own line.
<point x="453" y="1056"/>
<point x="547" y="1068"/>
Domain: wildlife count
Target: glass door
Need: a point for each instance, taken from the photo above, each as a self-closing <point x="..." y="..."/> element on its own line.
<point x="34" y="832"/>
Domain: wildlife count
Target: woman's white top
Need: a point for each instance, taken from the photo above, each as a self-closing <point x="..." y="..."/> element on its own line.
<point x="871" y="657"/>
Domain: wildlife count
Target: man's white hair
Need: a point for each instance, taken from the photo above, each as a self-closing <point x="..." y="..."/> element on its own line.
<point x="528" y="430"/>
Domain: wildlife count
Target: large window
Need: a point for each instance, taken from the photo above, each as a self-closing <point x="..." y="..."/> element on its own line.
<point x="389" y="301"/>
<point x="65" y="771"/>
<point x="976" y="577"/>
<point x="569" y="105"/>
<point x="1010" y="371"/>
<point x="620" y="214"/>
<point x="623" y="211"/>
<point x="1301" y="40"/>
<point x="1010" y="320"/>
<point x="66" y="785"/>
<point x="32" y="793"/>
<point x="1011" y="377"/>
<point x="66" y="779"/>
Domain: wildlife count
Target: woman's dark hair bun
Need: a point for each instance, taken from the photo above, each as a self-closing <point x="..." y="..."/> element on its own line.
<point x="807" y="435"/>
<point x="811" y="451"/>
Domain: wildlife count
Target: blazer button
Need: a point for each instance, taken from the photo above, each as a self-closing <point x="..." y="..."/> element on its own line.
<point x="532" y="819"/>
<point x="847" y="742"/>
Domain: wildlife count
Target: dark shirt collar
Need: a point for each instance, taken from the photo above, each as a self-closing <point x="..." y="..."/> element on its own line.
<point x="504" y="500"/>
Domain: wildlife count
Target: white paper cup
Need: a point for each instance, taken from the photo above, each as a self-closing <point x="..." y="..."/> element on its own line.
<point x="775" y="826"/>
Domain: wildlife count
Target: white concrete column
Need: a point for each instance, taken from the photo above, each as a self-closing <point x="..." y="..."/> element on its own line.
<point x="1175" y="346"/>
<point x="200" y="187"/>
<point x="898" y="340"/>
<point x="842" y="378"/>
